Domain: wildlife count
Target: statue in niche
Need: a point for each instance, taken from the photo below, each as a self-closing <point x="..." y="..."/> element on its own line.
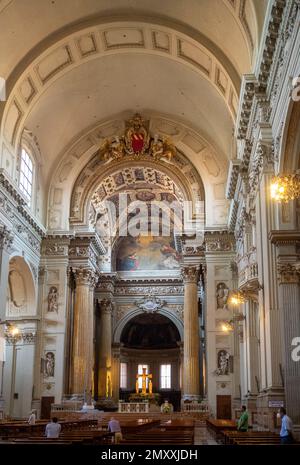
<point x="49" y="364"/>
<point x="53" y="299"/>
<point x="222" y="293"/>
<point x="223" y="363"/>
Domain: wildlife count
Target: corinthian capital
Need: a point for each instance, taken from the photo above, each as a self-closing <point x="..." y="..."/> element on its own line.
<point x="85" y="277"/>
<point x="106" y="306"/>
<point x="190" y="274"/>
<point x="6" y="238"/>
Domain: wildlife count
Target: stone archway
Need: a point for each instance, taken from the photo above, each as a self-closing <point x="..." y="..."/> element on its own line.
<point x="151" y="340"/>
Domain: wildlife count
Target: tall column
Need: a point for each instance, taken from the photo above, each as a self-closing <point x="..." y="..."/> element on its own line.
<point x="82" y="336"/>
<point x="115" y="371"/>
<point x="6" y="239"/>
<point x="105" y="350"/>
<point x="252" y="354"/>
<point x="191" y="375"/>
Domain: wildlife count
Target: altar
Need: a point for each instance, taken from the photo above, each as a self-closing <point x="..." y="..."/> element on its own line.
<point x="133" y="407"/>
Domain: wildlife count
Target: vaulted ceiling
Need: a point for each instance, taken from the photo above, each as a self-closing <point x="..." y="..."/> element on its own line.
<point x="73" y="64"/>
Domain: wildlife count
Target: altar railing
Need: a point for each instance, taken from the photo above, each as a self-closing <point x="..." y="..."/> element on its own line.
<point x="195" y="407"/>
<point x="68" y="406"/>
<point x="133" y="407"/>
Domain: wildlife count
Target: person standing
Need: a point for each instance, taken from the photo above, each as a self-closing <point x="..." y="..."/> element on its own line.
<point x="286" y="431"/>
<point x="114" y="427"/>
<point x="243" y="420"/>
<point x="53" y="429"/>
<point x="32" y="418"/>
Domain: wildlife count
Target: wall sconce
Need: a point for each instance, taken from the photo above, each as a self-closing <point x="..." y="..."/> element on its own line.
<point x="285" y="187"/>
<point x="237" y="298"/>
<point x="229" y="325"/>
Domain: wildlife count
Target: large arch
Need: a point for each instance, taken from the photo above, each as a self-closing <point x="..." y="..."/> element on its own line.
<point x="130" y="315"/>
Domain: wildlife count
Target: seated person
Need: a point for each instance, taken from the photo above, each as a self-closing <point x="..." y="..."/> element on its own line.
<point x="53" y="429"/>
<point x="114" y="427"/>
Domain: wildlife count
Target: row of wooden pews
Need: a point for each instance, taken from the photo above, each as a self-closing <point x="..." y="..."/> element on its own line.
<point x="225" y="431"/>
<point x="73" y="432"/>
<point x="179" y="432"/>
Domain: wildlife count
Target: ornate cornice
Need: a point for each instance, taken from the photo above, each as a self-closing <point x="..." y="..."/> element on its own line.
<point x="233" y="174"/>
<point x="15" y="196"/>
<point x="6" y="238"/>
<point x="219" y="241"/>
<point x="285" y="237"/>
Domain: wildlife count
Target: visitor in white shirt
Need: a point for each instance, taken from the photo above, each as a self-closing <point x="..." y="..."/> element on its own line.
<point x="32" y="418"/>
<point x="286" y="432"/>
<point x="53" y="429"/>
<point x="114" y="427"/>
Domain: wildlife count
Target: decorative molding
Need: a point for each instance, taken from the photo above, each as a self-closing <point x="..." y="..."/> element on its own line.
<point x="6" y="238"/>
<point x="288" y="273"/>
<point x="284" y="237"/>
<point x="150" y="304"/>
<point x="190" y="274"/>
<point x="233" y="174"/>
<point x="84" y="276"/>
<point x="219" y="241"/>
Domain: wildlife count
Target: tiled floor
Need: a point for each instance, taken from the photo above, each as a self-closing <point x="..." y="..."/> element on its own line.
<point x="203" y="437"/>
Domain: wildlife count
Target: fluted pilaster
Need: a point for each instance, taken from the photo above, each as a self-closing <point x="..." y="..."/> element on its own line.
<point x="289" y="295"/>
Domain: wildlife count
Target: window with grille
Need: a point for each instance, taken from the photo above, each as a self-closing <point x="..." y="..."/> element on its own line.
<point x="123" y="375"/>
<point x="165" y="376"/>
<point x="26" y="175"/>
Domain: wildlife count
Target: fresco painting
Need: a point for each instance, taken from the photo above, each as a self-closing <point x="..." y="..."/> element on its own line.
<point x="147" y="253"/>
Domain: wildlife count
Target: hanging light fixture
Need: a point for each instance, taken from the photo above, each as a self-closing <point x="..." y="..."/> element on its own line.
<point x="285" y="187"/>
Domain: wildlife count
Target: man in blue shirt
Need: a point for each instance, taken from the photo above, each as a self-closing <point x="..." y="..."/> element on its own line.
<point x="286" y="432"/>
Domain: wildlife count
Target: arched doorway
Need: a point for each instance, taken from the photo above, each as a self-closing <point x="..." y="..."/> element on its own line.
<point x="151" y="341"/>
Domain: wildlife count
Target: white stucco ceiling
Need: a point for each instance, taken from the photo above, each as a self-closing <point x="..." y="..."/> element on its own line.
<point x="99" y="89"/>
<point x="25" y="24"/>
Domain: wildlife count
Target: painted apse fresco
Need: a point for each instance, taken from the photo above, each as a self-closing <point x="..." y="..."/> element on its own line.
<point x="144" y="253"/>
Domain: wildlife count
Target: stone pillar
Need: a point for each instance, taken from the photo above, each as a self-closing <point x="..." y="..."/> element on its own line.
<point x="289" y="295"/>
<point x="252" y="354"/>
<point x="271" y="389"/>
<point x="191" y="375"/>
<point x="115" y="371"/>
<point x="105" y="350"/>
<point x="82" y="335"/>
<point x="6" y="239"/>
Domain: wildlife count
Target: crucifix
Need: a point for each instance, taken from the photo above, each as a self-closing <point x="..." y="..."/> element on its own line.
<point x="144" y="377"/>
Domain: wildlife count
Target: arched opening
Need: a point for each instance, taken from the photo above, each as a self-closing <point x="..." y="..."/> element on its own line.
<point x="151" y="341"/>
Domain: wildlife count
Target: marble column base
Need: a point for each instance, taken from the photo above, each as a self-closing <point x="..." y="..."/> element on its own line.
<point x="266" y="415"/>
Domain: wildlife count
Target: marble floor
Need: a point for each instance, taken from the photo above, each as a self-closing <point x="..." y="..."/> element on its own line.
<point x="203" y="437"/>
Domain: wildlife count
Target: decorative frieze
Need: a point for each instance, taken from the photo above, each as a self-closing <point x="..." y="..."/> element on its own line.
<point x="22" y="338"/>
<point x="6" y="238"/>
<point x="149" y="290"/>
<point x="288" y="273"/>
<point x="222" y="241"/>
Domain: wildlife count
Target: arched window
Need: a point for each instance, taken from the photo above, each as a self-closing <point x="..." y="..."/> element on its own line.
<point x="26" y="175"/>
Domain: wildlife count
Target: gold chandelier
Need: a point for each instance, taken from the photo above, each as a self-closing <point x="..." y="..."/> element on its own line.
<point x="285" y="187"/>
